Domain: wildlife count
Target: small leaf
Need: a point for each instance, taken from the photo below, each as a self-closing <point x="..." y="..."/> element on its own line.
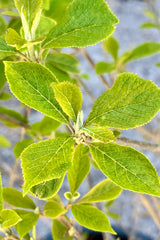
<point x="113" y="215"/>
<point x="46" y="4"/>
<point x="6" y="4"/>
<point x="68" y="195"/>
<point x="102" y="134"/>
<point x="4" y="142"/>
<point x="47" y="189"/>
<point x="105" y="67"/>
<point x="2" y="26"/>
<point x="53" y="209"/>
<point x="1" y="193"/>
<point x="112" y="46"/>
<point x="131" y="102"/>
<point x="69" y="97"/>
<point x="10" y="13"/>
<point x="20" y="146"/>
<point x="92" y="218"/>
<point x="4" y="96"/>
<point x="29" y="220"/>
<point x="14" y="39"/>
<point x="103" y="191"/>
<point x="45" y="25"/>
<point x="85" y="23"/>
<point x="126" y="167"/>
<point x="46" y="160"/>
<point x="60" y="231"/>
<point x="30" y="82"/>
<point x="80" y="167"/>
<point x="2" y="74"/>
<point x="9" y="218"/>
<point x="16" y="199"/>
<point x="148" y="25"/>
<point x="6" y="50"/>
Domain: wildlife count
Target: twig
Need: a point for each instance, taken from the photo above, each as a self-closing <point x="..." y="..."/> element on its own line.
<point x="13" y="120"/>
<point x="139" y="144"/>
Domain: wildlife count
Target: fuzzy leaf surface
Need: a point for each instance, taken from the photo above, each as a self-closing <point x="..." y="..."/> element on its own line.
<point x="85" y="23"/>
<point x="9" y="218"/>
<point x="105" y="67"/>
<point x="126" y="167"/>
<point x="53" y="209"/>
<point x="46" y="160"/>
<point x="112" y="46"/>
<point x="131" y="102"/>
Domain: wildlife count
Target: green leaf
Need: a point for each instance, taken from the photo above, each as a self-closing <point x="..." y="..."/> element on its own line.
<point x="46" y="160"/>
<point x="60" y="231"/>
<point x="63" y="61"/>
<point x="53" y="209"/>
<point x="47" y="189"/>
<point x="16" y="199"/>
<point x="46" y="4"/>
<point x="30" y="12"/>
<point x="85" y="23"/>
<point x="150" y="14"/>
<point x="148" y="25"/>
<point x="103" y="191"/>
<point x="92" y="218"/>
<point x="5" y="96"/>
<point x="112" y="46"/>
<point x="16" y="24"/>
<point x="9" y="218"/>
<point x="10" y="13"/>
<point x="80" y="167"/>
<point x="113" y="215"/>
<point x="45" y="25"/>
<point x="142" y="51"/>
<point x="104" y="67"/>
<point x="2" y="26"/>
<point x="30" y="82"/>
<point x="4" y="142"/>
<point x="6" y="50"/>
<point x="131" y="102"/>
<point x="2" y="75"/>
<point x="1" y="193"/>
<point x="69" y="97"/>
<point x="6" y="4"/>
<point x="20" y="146"/>
<point x="29" y="220"/>
<point x="126" y="167"/>
<point x="102" y="134"/>
<point x="14" y="39"/>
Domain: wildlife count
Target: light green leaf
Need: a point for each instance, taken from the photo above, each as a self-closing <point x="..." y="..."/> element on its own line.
<point x="131" y="102"/>
<point x="112" y="46"/>
<point x="60" y="231"/>
<point x="47" y="189"/>
<point x="113" y="215"/>
<point x="92" y="218"/>
<point x="2" y="75"/>
<point x="45" y="25"/>
<point x="46" y="160"/>
<point x="6" y="50"/>
<point x="63" y="61"/>
<point x="158" y="64"/>
<point x="46" y="4"/>
<point x="80" y="167"/>
<point x="69" y="97"/>
<point x="4" y="142"/>
<point x="10" y="13"/>
<point x="85" y="23"/>
<point x="20" y="146"/>
<point x="148" y="25"/>
<point x="150" y="14"/>
<point x="5" y="96"/>
<point x="126" y="167"/>
<point x="29" y="220"/>
<point x="102" y="134"/>
<point x="103" y="191"/>
<point x="16" y="24"/>
<point x="1" y="193"/>
<point x="104" y="67"/>
<point x="6" y="4"/>
<point x="14" y="39"/>
<point x="53" y="209"/>
<point x="2" y="26"/>
<point x="30" y="82"/>
<point x="16" y="199"/>
<point x="30" y="12"/>
<point x="9" y="218"/>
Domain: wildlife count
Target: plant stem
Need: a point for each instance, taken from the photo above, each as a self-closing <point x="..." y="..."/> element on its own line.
<point x="13" y="120"/>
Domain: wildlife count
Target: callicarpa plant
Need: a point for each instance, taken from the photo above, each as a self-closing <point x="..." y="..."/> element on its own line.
<point x="44" y="78"/>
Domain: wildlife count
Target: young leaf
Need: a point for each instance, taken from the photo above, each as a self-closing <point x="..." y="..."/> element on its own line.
<point x="9" y="218"/>
<point x="16" y="199"/>
<point x="4" y="142"/>
<point x="126" y="167"/>
<point x="30" y="82"/>
<point x="20" y="146"/>
<point x="92" y="218"/>
<point x="46" y="160"/>
<point x="47" y="189"/>
<point x="2" y="26"/>
<point x="1" y="193"/>
<point x="112" y="46"/>
<point x="102" y="134"/>
<point x="14" y="39"/>
<point x="104" y="67"/>
<point x="63" y="61"/>
<point x="131" y="102"/>
<point x="45" y="25"/>
<point x="46" y="4"/>
<point x="60" y="231"/>
<point x="80" y="167"/>
<point x="29" y="220"/>
<point x="6" y="50"/>
<point x="5" y="96"/>
<point x="69" y="97"/>
<point x="5" y="3"/>
<point x="148" y="25"/>
<point x="2" y="74"/>
<point x="53" y="209"/>
<point x="85" y="23"/>
<point x="103" y="191"/>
